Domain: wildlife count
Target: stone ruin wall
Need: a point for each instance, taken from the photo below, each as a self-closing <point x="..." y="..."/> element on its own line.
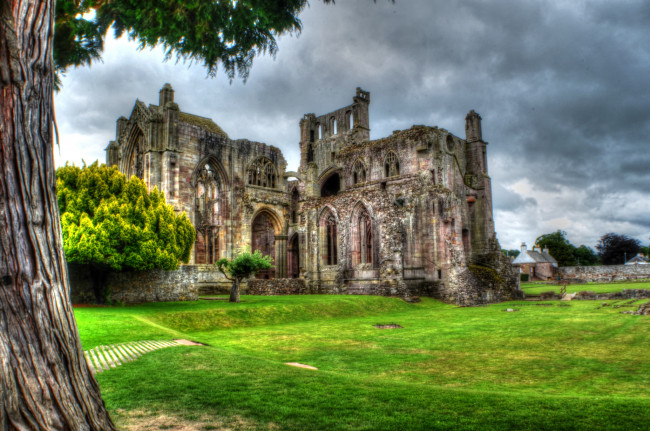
<point x="432" y="224"/>
<point x="605" y="273"/>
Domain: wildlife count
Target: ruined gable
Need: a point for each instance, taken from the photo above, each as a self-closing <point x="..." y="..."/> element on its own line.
<point x="408" y="214"/>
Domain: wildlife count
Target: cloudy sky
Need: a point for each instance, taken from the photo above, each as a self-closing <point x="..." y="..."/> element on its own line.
<point x="562" y="86"/>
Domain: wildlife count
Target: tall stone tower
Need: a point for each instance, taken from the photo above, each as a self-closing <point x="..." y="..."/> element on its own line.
<point x="479" y="200"/>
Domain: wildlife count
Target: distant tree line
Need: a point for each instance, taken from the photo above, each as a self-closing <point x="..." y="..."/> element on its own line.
<point x="612" y="249"/>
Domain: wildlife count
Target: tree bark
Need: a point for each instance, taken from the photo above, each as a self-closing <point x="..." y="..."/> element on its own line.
<point x="234" y="291"/>
<point x="45" y="383"/>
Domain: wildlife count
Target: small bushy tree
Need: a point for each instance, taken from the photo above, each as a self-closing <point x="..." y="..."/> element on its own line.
<point x="112" y="223"/>
<point x="586" y="256"/>
<point x="559" y="247"/>
<point x="243" y="265"/>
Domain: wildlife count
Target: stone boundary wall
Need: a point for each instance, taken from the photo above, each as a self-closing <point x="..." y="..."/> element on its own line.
<point x="277" y="286"/>
<point x="156" y="285"/>
<point x="604" y="273"/>
<point x="590" y="295"/>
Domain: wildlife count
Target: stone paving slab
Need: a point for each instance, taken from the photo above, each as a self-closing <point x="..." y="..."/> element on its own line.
<point x="101" y="358"/>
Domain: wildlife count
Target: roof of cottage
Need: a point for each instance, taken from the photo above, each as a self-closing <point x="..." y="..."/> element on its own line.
<point x="532" y="256"/>
<point x="642" y="260"/>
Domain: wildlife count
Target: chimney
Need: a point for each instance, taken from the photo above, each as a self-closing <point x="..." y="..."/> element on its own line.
<point x="545" y="250"/>
<point x="523" y="247"/>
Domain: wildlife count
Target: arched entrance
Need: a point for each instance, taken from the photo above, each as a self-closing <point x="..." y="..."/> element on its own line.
<point x="294" y="257"/>
<point x="263" y="239"/>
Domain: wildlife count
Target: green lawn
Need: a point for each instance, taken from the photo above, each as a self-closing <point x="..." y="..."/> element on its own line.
<point x="536" y="288"/>
<point x="550" y="365"/>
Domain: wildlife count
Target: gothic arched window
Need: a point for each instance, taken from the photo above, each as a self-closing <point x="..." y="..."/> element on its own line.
<point x="358" y="172"/>
<point x="391" y="165"/>
<point x="329" y="238"/>
<point x="365" y="236"/>
<point x="209" y="199"/>
<point x="208" y="195"/>
<point x="361" y="237"/>
<point x="262" y="173"/>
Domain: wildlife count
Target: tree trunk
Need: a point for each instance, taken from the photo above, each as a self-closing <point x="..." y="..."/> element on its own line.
<point x="234" y="291"/>
<point x="45" y="383"/>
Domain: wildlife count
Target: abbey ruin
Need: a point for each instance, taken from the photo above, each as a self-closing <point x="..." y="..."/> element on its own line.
<point x="409" y="214"/>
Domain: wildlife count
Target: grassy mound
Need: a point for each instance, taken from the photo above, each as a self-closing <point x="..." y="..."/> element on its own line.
<point x="547" y="365"/>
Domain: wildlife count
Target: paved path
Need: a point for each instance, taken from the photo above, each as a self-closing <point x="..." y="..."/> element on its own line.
<point x="102" y="358"/>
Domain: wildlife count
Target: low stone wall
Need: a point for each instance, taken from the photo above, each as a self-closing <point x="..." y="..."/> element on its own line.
<point x="157" y="285"/>
<point x="590" y="295"/>
<point x="623" y="294"/>
<point x="604" y="273"/>
<point x="277" y="286"/>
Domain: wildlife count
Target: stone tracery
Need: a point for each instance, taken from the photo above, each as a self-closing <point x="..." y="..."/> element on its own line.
<point x="262" y="173"/>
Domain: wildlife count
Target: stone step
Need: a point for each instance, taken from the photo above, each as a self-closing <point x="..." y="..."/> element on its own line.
<point x="101" y="358"/>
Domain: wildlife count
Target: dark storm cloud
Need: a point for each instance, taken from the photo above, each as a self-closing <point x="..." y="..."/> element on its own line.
<point x="561" y="86"/>
<point x="511" y="201"/>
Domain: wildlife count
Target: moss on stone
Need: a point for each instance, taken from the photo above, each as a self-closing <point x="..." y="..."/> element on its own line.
<point x="486" y="275"/>
<point x="205" y="123"/>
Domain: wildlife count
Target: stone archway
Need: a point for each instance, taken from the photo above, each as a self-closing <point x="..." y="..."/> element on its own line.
<point x="263" y="239"/>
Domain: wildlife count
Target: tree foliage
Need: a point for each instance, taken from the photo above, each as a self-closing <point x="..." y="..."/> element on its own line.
<point x="559" y="247"/>
<point x="586" y="256"/>
<point x="614" y="249"/>
<point x="243" y="265"/>
<point x="116" y="224"/>
<point x="230" y="32"/>
<point x="510" y="253"/>
<point x="564" y="252"/>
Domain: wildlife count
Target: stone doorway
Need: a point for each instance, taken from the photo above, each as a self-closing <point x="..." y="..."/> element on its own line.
<point x="263" y="239"/>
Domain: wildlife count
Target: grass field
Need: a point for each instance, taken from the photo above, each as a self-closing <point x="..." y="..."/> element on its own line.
<point x="535" y="288"/>
<point x="550" y="365"/>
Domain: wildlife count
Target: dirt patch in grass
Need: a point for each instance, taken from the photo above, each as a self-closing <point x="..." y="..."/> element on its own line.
<point x="188" y="342"/>
<point x="138" y="420"/>
<point x="388" y="326"/>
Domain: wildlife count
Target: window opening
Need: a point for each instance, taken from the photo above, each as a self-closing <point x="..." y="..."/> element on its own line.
<point x="391" y="165"/>
<point x="365" y="236"/>
<point x="331" y="186"/>
<point x="262" y="173"/>
<point x="359" y="172"/>
<point x="331" y="232"/>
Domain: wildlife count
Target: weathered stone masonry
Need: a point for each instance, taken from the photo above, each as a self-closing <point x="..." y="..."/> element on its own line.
<point x="407" y="214"/>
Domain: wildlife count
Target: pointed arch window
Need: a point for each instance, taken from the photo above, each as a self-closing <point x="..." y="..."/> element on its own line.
<point x="209" y="209"/>
<point x="328" y="238"/>
<point x="262" y="173"/>
<point x="331" y="230"/>
<point x="391" y="165"/>
<point x="349" y="117"/>
<point x="365" y="227"/>
<point x="362" y="246"/>
<point x="333" y="126"/>
<point x="358" y="172"/>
